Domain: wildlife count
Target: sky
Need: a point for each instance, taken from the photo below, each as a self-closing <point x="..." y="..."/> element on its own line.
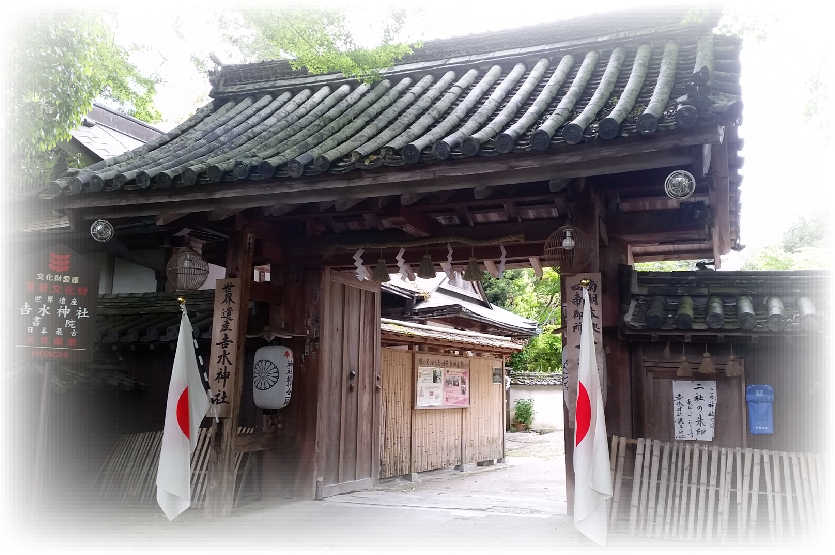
<point x="785" y="172"/>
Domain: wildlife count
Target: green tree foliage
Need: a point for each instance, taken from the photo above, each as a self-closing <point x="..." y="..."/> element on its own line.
<point x="666" y="266"/>
<point x="538" y="299"/>
<point x="58" y="62"/>
<point x="805" y="246"/>
<point x="322" y="39"/>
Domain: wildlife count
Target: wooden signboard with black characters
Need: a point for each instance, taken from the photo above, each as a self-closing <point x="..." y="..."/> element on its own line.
<point x="55" y="294"/>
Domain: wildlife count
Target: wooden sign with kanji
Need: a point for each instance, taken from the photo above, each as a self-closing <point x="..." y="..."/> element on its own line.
<point x="55" y="294"/>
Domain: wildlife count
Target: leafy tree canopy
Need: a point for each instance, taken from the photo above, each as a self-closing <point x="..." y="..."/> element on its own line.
<point x="323" y="38"/>
<point x="58" y="62"/>
<point x="538" y="299"/>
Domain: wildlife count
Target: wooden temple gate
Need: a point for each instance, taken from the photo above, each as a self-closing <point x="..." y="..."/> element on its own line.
<point x="471" y="159"/>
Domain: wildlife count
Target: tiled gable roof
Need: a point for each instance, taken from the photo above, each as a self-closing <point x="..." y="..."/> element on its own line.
<point x="640" y="81"/>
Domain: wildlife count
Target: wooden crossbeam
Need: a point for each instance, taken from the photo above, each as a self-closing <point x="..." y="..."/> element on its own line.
<point x="536" y="264"/>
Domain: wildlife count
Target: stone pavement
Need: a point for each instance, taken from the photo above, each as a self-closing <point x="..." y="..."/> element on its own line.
<point x="518" y="506"/>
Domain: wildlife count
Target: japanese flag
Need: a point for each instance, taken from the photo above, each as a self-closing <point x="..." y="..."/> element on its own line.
<point x="187" y="405"/>
<point x="592" y="479"/>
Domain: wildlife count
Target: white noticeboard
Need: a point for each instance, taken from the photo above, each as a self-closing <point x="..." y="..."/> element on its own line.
<point x="430" y="387"/>
<point x="694" y="409"/>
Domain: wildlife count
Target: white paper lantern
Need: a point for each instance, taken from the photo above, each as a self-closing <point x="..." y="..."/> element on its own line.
<point x="272" y="377"/>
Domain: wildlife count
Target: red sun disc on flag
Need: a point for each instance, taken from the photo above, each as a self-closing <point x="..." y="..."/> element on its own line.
<point x="182" y="412"/>
<point x="582" y="414"/>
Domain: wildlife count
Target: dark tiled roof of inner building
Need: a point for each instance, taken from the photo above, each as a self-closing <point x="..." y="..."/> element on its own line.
<point x="535" y="89"/>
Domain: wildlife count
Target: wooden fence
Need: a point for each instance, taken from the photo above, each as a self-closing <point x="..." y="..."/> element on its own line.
<point x="129" y="475"/>
<point x="697" y="492"/>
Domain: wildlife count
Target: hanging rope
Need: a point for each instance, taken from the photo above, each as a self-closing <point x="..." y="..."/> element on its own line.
<point x="330" y="249"/>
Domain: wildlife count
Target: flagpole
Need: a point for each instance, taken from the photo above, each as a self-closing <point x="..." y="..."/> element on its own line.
<point x="182" y="301"/>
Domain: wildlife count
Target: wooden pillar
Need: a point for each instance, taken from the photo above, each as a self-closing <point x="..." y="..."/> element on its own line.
<point x="50" y="368"/>
<point x="220" y="488"/>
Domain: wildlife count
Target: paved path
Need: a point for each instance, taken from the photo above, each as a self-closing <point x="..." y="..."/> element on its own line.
<point x="516" y="507"/>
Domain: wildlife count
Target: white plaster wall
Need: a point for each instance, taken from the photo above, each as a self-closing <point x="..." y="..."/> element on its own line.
<point x="547" y="402"/>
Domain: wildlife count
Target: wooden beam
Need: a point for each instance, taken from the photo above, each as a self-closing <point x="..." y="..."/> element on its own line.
<point x="648" y="204"/>
<point x="266" y="292"/>
<point x="482" y="192"/>
<point x="464" y="215"/>
<point x="343" y="205"/>
<point x="411" y="198"/>
<point x="419" y="224"/>
<point x="167" y="217"/>
<point x="627" y="154"/>
<point x="281" y="209"/>
<point x="220" y="478"/>
<point x="536" y="264"/>
<point x="440" y="197"/>
<point x="256" y="441"/>
<point x="558" y="184"/>
<point x="373" y="221"/>
<point x="719" y="201"/>
<point x="653" y="228"/>
<point x="219" y="215"/>
<point x="512" y="213"/>
<point x="492" y="268"/>
<point x="375" y="203"/>
<point x="533" y="231"/>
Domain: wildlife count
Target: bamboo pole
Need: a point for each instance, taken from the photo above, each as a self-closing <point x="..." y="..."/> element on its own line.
<point x="769" y="493"/>
<point x="746" y="481"/>
<point x="789" y="502"/>
<point x="802" y="518"/>
<point x="711" y="497"/>
<point x="642" y="507"/>
<point x="694" y="481"/>
<point x="672" y="500"/>
<point x="755" y="494"/>
<point x="636" y="486"/>
<point x="807" y="491"/>
<point x="618" y="482"/>
<point x="722" y="494"/>
<point x="662" y="492"/>
<point x="715" y="317"/>
<point x="778" y="502"/>
<point x="681" y="513"/>
<point x="656" y="455"/>
<point x="739" y="496"/>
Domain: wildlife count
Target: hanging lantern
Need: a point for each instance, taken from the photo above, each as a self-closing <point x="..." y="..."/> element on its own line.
<point x="472" y="273"/>
<point x="187" y="270"/>
<point x="706" y="367"/>
<point x="426" y="270"/>
<point x="272" y="377"/>
<point x="684" y="369"/>
<point x="380" y="273"/>
<point x="733" y="368"/>
<point x="568" y="250"/>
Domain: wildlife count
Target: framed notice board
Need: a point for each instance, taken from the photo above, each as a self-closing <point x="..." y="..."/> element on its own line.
<point x="441" y="382"/>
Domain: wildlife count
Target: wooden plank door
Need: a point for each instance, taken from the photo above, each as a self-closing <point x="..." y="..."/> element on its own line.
<point x="349" y="416"/>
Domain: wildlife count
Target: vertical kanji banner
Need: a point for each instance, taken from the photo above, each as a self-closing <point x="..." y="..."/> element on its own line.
<point x="573" y="322"/>
<point x="55" y="294"/>
<point x="225" y="325"/>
